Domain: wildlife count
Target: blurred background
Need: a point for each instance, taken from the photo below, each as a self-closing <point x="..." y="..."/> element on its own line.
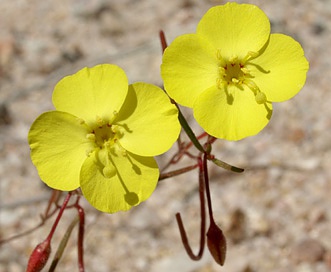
<point x="276" y="215"/>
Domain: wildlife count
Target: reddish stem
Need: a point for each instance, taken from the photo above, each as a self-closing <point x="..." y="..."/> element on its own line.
<point x="81" y="214"/>
<point x="65" y="202"/>
<point x="206" y="179"/>
<point x="203" y="220"/>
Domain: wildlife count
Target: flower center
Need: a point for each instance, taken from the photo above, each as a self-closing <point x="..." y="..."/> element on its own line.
<point x="104" y="134"/>
<point x="232" y="72"/>
<point x="104" y="137"/>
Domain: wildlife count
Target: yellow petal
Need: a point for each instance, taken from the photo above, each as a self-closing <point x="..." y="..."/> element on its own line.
<point x="92" y="92"/>
<point x="135" y="179"/>
<point x="280" y="71"/>
<point x="235" y="29"/>
<point x="189" y="66"/>
<point x="58" y="149"/>
<point x="148" y="121"/>
<point x="232" y="114"/>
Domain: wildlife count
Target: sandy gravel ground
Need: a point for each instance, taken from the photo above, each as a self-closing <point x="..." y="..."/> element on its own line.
<point x="281" y="203"/>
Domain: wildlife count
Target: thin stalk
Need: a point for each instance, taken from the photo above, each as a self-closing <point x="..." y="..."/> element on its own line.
<point x="203" y="220"/>
<point x="63" y="244"/>
<point x="206" y="179"/>
<point x="189" y="131"/>
<point x="81" y="215"/>
<point x="177" y="172"/>
<point x="65" y="202"/>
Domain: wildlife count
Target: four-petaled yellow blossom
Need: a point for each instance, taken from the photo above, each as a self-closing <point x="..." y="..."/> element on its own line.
<point x="231" y="70"/>
<point x="102" y="137"/>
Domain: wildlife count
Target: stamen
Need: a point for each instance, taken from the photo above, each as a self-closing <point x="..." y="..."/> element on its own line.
<point x="233" y="60"/>
<point x="115" y="129"/>
<point x="245" y="70"/>
<point x="113" y="118"/>
<point x="235" y="80"/>
<point x="250" y="55"/>
<point x="100" y="122"/>
<point x="221" y="70"/>
<point x="220" y="58"/>
<point x="220" y="83"/>
<point x="91" y="137"/>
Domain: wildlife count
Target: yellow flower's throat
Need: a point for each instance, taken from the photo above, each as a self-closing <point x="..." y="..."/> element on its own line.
<point x="104" y="137"/>
<point x="234" y="72"/>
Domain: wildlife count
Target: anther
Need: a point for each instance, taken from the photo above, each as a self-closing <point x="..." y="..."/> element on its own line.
<point x="234" y="80"/>
<point x="220" y="83"/>
<point x="233" y="60"/>
<point x="99" y="121"/>
<point x="245" y="71"/>
<point x="221" y="70"/>
<point x="91" y="137"/>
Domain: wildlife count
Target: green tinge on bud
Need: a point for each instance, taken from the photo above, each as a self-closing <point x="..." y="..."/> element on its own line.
<point x="216" y="243"/>
<point x="39" y="256"/>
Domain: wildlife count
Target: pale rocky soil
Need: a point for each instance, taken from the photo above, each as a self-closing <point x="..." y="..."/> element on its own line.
<point x="283" y="198"/>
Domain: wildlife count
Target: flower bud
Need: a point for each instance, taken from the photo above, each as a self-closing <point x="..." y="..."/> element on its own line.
<point x="39" y="256"/>
<point x="216" y="243"/>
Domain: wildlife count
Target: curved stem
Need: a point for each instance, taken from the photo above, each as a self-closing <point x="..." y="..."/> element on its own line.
<point x="203" y="220"/>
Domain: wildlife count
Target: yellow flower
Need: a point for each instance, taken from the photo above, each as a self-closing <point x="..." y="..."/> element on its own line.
<point x="231" y="70"/>
<point x="102" y="137"/>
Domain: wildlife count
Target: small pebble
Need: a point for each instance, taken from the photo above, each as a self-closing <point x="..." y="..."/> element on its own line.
<point x="308" y="250"/>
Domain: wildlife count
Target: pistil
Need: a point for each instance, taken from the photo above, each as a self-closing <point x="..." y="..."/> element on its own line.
<point x="234" y="72"/>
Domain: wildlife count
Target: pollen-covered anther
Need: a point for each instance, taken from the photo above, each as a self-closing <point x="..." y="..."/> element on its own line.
<point x="233" y="60"/>
<point x="91" y="137"/>
<point x="221" y="70"/>
<point x="99" y="121"/>
<point x="235" y="80"/>
<point x="245" y="71"/>
<point x="220" y="83"/>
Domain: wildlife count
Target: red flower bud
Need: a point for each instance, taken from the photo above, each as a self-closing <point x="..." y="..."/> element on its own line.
<point x="39" y="256"/>
<point x="216" y="243"/>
